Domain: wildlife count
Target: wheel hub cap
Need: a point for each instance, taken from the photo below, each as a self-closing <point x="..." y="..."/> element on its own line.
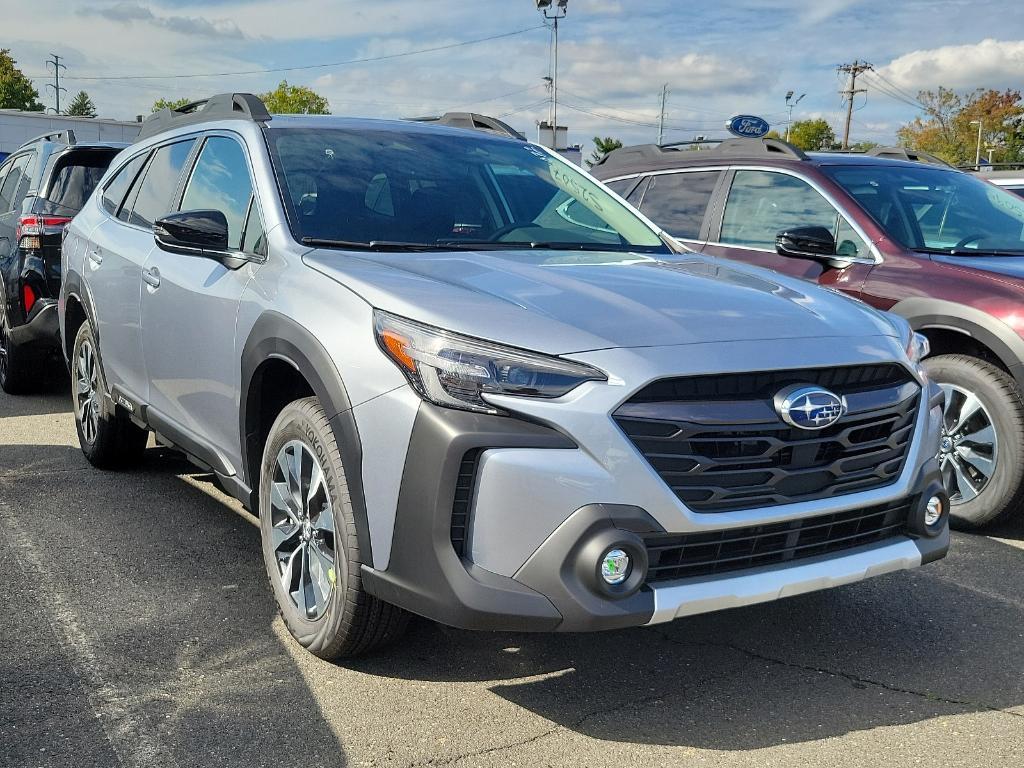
<point x="969" y="446"/>
<point x="302" y="529"/>
<point x="87" y="402"/>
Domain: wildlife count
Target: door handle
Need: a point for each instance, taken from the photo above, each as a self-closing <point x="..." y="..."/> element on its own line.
<point x="151" y="277"/>
<point x="95" y="257"/>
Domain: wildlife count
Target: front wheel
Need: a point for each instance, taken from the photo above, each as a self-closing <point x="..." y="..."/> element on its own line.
<point x="981" y="453"/>
<point x="310" y="546"/>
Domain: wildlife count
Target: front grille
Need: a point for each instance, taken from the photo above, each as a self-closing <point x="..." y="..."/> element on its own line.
<point x="719" y="445"/>
<point x="681" y="556"/>
<point x="463" y="500"/>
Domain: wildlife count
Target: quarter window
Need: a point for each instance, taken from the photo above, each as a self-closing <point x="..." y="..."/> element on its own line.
<point x="15" y="183"/>
<point x="160" y="182"/>
<point x="116" y="189"/>
<point x="677" y="201"/>
<point x="761" y="204"/>
<point x="221" y="182"/>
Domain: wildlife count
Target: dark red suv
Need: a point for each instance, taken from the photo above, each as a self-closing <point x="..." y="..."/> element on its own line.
<point x="899" y="230"/>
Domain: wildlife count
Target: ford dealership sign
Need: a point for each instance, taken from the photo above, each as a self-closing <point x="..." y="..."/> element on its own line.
<point x="748" y="126"/>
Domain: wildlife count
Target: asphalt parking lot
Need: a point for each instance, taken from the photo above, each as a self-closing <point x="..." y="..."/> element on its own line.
<point x="138" y="630"/>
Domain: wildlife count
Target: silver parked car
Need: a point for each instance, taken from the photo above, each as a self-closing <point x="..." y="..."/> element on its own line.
<point x="455" y="376"/>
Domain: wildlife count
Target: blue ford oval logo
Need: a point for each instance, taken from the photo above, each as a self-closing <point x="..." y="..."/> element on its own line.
<point x="809" y="407"/>
<point x="748" y="126"/>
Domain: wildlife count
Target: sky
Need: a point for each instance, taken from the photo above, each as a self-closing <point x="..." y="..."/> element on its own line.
<point x="718" y="58"/>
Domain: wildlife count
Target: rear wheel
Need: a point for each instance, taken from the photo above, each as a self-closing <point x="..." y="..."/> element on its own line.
<point x="108" y="439"/>
<point x="981" y="453"/>
<point x="310" y="545"/>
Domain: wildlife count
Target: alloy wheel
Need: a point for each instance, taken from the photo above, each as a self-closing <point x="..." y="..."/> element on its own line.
<point x="302" y="530"/>
<point x="87" y="399"/>
<point x="969" y="446"/>
<point x="5" y="344"/>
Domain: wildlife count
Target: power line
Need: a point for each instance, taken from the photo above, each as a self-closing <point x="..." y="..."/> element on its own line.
<point x="364" y="60"/>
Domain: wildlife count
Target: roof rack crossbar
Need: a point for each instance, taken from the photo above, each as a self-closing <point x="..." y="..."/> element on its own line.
<point x="223" y="106"/>
<point x="65" y="134"/>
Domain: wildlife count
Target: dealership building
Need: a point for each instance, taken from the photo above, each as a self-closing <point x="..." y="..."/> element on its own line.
<point x="17" y="127"/>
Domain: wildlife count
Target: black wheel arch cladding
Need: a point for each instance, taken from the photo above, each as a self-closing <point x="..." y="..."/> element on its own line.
<point x="275" y="336"/>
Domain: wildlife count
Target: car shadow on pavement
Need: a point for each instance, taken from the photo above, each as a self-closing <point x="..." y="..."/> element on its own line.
<point x="891" y="651"/>
<point x="53" y="396"/>
<point x="144" y="608"/>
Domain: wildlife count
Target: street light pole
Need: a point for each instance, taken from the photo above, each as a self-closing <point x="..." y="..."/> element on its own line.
<point x="977" y="155"/>
<point x="561" y="8"/>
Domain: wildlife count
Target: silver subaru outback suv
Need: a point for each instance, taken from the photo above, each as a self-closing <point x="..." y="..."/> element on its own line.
<point x="457" y="377"/>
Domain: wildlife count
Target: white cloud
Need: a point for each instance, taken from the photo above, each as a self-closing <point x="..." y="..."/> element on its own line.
<point x="988" y="64"/>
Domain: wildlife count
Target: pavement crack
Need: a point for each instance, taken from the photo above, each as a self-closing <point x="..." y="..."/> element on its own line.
<point x="841" y="674"/>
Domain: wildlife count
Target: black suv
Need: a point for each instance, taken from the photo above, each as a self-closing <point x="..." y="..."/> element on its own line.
<point x="43" y="184"/>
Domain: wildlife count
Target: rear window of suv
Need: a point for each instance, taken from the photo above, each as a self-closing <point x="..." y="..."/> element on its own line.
<point x="75" y="176"/>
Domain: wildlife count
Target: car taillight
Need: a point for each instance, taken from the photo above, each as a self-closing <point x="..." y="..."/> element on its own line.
<point x="28" y="298"/>
<point x="31" y="228"/>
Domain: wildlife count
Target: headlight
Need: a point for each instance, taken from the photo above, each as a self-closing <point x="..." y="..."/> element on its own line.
<point x="918" y="347"/>
<point x="456" y="371"/>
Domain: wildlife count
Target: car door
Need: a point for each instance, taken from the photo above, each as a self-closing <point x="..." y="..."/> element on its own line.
<point x="117" y="250"/>
<point x="678" y="203"/>
<point x="189" y="307"/>
<point x="761" y="203"/>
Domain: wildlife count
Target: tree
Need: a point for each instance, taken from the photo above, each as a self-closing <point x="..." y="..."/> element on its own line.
<point x="16" y="90"/>
<point x="81" y="106"/>
<point x="171" y="104"/>
<point x="295" y="99"/>
<point x="602" y="147"/>
<point x="946" y="128"/>
<point x="812" y="135"/>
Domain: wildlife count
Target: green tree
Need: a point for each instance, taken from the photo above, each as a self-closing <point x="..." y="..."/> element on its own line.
<point x="81" y="106"/>
<point x="949" y="127"/>
<point x="295" y="99"/>
<point x="16" y="90"/>
<point x="812" y="135"/>
<point x="171" y="103"/>
<point x="601" y="149"/>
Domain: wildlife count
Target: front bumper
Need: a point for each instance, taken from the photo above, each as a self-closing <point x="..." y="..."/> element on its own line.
<point x="42" y="328"/>
<point x="557" y="587"/>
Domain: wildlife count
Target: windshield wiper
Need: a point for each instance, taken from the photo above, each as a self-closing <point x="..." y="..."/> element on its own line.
<point x="546" y="245"/>
<point x="972" y="251"/>
<point x="372" y="245"/>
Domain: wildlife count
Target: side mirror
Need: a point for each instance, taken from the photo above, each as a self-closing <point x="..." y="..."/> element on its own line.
<point x="815" y="243"/>
<point x="197" y="233"/>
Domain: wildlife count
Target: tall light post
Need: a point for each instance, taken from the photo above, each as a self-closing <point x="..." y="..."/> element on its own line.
<point x="977" y="155"/>
<point x="790" y="104"/>
<point x="554" y="10"/>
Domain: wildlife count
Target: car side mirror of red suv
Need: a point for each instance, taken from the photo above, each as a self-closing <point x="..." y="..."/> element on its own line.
<point x="815" y="243"/>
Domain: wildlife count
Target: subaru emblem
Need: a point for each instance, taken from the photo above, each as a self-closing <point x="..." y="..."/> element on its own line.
<point x="809" y="407"/>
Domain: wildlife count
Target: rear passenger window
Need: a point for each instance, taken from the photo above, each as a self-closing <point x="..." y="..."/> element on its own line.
<point x="117" y="187"/>
<point x="15" y="181"/>
<point x="160" y="182"/>
<point x="221" y="182"/>
<point x="677" y="201"/>
<point x="74" y="179"/>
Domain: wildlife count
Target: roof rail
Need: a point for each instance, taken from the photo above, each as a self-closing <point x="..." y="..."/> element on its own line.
<point x="223" y="106"/>
<point x="748" y="148"/>
<point x="66" y="135"/>
<point x="472" y="121"/>
<point x="903" y="153"/>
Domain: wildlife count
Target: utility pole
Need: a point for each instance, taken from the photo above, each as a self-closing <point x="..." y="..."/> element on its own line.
<point x="559" y="12"/>
<point x="977" y="155"/>
<point x="55" y="85"/>
<point x="789" y="105"/>
<point x="661" y="119"/>
<point x="852" y="70"/>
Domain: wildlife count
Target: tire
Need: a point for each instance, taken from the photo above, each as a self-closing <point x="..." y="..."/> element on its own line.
<point x="990" y="473"/>
<point x="17" y="364"/>
<point x="312" y="544"/>
<point x="108" y="440"/>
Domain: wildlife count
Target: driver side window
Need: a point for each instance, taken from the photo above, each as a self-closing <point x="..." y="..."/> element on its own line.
<point x="221" y="182"/>
<point x="763" y="203"/>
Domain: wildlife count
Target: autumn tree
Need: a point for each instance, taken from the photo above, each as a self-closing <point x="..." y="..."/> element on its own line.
<point x="812" y="135"/>
<point x="171" y="104"/>
<point x="602" y="147"/>
<point x="16" y="90"/>
<point x="949" y="127"/>
<point x="81" y="106"/>
<point x="295" y="99"/>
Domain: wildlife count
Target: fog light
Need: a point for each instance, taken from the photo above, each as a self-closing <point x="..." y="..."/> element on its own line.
<point x="933" y="512"/>
<point x="614" y="566"/>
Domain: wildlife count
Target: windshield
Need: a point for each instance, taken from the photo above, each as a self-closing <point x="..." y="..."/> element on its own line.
<point x="937" y="210"/>
<point x="354" y="187"/>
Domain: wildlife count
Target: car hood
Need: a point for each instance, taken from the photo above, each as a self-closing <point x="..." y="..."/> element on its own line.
<point x="1010" y="266"/>
<point x="570" y="301"/>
